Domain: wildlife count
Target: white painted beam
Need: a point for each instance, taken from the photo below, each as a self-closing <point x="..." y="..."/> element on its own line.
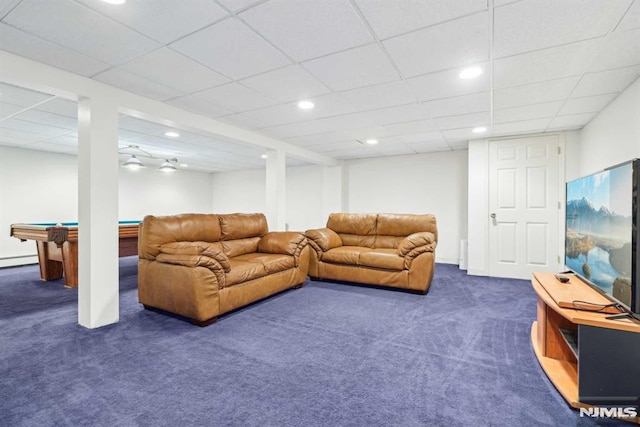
<point x="34" y="75"/>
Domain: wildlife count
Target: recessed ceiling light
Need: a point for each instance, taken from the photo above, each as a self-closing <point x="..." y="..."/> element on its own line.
<point x="114" y="1"/>
<point x="264" y="156"/>
<point x="371" y="141"/>
<point x="470" y="73"/>
<point x="172" y="134"/>
<point x="184" y="165"/>
<point x="479" y="129"/>
<point x="306" y="105"/>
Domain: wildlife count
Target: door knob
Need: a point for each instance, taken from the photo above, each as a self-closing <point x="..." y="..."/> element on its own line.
<point x="493" y="215"/>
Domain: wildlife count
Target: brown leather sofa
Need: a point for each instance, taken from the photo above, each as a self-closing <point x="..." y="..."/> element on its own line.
<point x="202" y="265"/>
<point x="379" y="249"/>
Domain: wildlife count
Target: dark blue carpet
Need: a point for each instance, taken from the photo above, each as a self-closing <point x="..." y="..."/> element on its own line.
<point x="326" y="355"/>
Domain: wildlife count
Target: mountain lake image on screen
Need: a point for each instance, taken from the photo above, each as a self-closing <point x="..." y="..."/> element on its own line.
<point x="599" y="229"/>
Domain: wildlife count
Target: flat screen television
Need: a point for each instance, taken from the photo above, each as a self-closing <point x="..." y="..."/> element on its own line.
<point x="601" y="233"/>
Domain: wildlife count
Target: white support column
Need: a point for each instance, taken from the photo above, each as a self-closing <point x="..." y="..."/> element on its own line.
<point x="334" y="191"/>
<point x="98" y="269"/>
<point x="276" y="187"/>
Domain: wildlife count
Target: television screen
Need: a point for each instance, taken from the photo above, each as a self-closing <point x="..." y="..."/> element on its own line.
<point x="599" y="229"/>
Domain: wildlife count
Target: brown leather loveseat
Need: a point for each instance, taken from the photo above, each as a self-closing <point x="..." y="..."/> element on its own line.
<point x="396" y="250"/>
<point x="203" y="265"/>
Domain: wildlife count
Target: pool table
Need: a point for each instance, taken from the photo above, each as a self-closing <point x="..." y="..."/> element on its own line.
<point x="58" y="246"/>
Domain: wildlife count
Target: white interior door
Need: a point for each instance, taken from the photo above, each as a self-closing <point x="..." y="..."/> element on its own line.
<point x="524" y="206"/>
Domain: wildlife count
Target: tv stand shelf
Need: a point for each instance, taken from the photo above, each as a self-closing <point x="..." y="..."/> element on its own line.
<point x="589" y="359"/>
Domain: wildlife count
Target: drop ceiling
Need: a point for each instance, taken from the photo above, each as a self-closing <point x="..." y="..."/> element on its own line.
<point x="383" y="69"/>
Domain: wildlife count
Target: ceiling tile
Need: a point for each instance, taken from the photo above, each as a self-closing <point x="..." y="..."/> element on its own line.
<point x="429" y="146"/>
<point x="325" y="106"/>
<point x="409" y="128"/>
<point x="473" y="103"/>
<point x="532" y="25"/>
<point x="42" y="117"/>
<point x="62" y="107"/>
<point x="421" y="138"/>
<point x="537" y="93"/>
<point x="464" y="134"/>
<point x="7" y="109"/>
<point x="237" y="51"/>
<point x="330" y="124"/>
<point x="610" y="81"/>
<point x="199" y="106"/>
<point x="525" y="126"/>
<point x="571" y="122"/>
<point x="587" y="104"/>
<point x="547" y="64"/>
<point x="464" y="41"/>
<point x="49" y="145"/>
<point x="162" y="20"/>
<point x="236" y="5"/>
<point x="447" y="84"/>
<point x="459" y="145"/>
<point x="317" y="139"/>
<point x="308" y="29"/>
<point x="527" y="112"/>
<point x="631" y="19"/>
<point x="18" y="137"/>
<point x="372" y="132"/>
<point x="136" y="84"/>
<point x="20" y="96"/>
<point x="32" y="47"/>
<point x="80" y="28"/>
<point x="287" y="84"/>
<point x="380" y="96"/>
<point x="171" y="69"/>
<point x="241" y="121"/>
<point x="401" y="113"/>
<point x="235" y="97"/>
<point x="363" y="66"/>
<point x="464" y="120"/>
<point x="31" y="127"/>
<point x="621" y="49"/>
<point x="390" y="18"/>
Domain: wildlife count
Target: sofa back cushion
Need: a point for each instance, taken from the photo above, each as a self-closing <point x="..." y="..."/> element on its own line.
<point x="240" y="225"/>
<point x="237" y="247"/>
<point x="354" y="229"/>
<point x="158" y="230"/>
<point x="391" y="229"/>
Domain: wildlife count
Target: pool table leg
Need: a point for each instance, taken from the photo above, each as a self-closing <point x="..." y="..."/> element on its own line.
<point x="70" y="262"/>
<point x="50" y="268"/>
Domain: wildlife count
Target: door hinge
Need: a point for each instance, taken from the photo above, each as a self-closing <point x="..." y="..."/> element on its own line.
<point x="559" y="205"/>
<point x="559" y="150"/>
<point x="558" y="259"/>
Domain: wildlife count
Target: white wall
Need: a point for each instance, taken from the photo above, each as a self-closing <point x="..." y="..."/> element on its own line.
<point x="38" y="186"/>
<point x="239" y="191"/>
<point x="426" y="183"/>
<point x="433" y="183"/>
<point x="613" y="136"/>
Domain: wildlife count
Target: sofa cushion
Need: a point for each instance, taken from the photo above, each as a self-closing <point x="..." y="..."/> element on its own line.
<point x="360" y="224"/>
<point x="211" y="250"/>
<point x="405" y="224"/>
<point x="240" y="226"/>
<point x="282" y="242"/>
<point x="324" y="238"/>
<point x="177" y="228"/>
<point x="344" y="255"/>
<point x="243" y="271"/>
<point x="273" y="263"/>
<point x="382" y="258"/>
<point x="237" y="247"/>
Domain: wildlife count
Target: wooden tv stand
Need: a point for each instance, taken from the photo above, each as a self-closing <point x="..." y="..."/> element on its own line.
<point x="588" y="358"/>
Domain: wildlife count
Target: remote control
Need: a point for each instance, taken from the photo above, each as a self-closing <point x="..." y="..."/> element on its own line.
<point x="562" y="278"/>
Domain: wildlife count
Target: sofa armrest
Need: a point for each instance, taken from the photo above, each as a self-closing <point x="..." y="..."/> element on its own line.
<point x="323" y="239"/>
<point x="417" y="243"/>
<point x="195" y="261"/>
<point x="186" y="249"/>
<point x="283" y="242"/>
